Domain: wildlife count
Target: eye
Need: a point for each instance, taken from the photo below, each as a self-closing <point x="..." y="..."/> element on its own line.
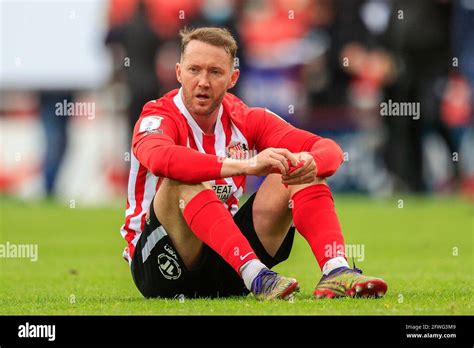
<point x="216" y="72"/>
<point x="193" y="69"/>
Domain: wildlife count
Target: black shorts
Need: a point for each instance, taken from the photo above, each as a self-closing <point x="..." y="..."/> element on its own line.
<point x="158" y="270"/>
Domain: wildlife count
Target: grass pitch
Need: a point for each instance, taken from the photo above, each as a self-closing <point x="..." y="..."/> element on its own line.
<point x="423" y="250"/>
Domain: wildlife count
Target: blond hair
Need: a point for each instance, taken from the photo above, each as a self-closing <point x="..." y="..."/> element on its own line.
<point x="219" y="37"/>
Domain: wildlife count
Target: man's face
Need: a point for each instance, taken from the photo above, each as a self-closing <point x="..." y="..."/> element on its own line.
<point x="205" y="73"/>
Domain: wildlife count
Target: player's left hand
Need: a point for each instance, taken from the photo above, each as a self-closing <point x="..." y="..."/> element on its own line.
<point x="306" y="174"/>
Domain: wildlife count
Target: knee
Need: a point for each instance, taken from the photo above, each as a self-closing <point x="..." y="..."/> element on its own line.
<point x="295" y="188"/>
<point x="184" y="191"/>
<point x="274" y="206"/>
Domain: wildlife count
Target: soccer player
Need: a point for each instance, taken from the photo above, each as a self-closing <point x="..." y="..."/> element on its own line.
<point x="191" y="152"/>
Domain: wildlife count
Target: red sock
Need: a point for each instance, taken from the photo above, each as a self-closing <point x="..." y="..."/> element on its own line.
<point x="212" y="223"/>
<point x="315" y="218"/>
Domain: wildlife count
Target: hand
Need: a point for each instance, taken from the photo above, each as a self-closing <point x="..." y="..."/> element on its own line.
<point x="271" y="160"/>
<point x="306" y="174"/>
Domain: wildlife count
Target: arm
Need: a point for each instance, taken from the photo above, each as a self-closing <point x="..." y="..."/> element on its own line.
<point x="163" y="158"/>
<point x="174" y="161"/>
<point x="327" y="155"/>
<point x="268" y="161"/>
<point x="272" y="131"/>
<point x="155" y="146"/>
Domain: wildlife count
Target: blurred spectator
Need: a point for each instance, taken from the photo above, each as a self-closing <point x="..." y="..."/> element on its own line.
<point x="275" y="36"/>
<point x="136" y="54"/>
<point x="223" y="14"/>
<point x="463" y="37"/>
<point x="458" y="103"/>
<point x="344" y="87"/>
<point x="325" y="65"/>
<point x="378" y="50"/>
<point x="55" y="128"/>
<point x="422" y="54"/>
<point x="354" y="64"/>
<point x="143" y="36"/>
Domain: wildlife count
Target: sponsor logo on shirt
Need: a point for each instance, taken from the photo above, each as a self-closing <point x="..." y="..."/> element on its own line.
<point x="223" y="191"/>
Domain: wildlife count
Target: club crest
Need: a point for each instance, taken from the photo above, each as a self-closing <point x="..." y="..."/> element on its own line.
<point x="237" y="150"/>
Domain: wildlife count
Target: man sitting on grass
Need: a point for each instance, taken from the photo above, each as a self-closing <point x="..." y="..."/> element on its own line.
<point x="192" y="151"/>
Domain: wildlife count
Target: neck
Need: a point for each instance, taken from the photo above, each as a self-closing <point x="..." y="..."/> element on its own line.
<point x="207" y="123"/>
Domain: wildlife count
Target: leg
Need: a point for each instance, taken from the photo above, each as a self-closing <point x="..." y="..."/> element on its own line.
<point x="272" y="211"/>
<point x="170" y="261"/>
<point x="193" y="215"/>
<point x="168" y="204"/>
<point x="187" y="217"/>
<point x="170" y="257"/>
<point x="272" y="214"/>
<point x="315" y="217"/>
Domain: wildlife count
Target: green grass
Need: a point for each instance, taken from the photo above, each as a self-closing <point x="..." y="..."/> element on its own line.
<point x="80" y="270"/>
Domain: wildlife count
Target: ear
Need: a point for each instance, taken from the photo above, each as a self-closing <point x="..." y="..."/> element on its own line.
<point x="178" y="72"/>
<point x="233" y="78"/>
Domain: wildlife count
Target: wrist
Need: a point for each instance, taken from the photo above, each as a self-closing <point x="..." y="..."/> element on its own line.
<point x="233" y="167"/>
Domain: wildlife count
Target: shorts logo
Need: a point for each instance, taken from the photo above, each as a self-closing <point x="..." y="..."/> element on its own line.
<point x="237" y="150"/>
<point x="170" y="251"/>
<point x="151" y="124"/>
<point x="169" y="267"/>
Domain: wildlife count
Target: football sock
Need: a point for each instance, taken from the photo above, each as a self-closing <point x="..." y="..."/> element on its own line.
<point x="315" y="218"/>
<point x="250" y="270"/>
<point x="212" y="223"/>
<point x="334" y="263"/>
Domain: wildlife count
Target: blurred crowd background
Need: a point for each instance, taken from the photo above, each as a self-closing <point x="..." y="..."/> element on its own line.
<point x="324" y="65"/>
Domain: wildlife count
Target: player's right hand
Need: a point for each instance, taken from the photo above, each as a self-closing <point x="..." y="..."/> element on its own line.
<point x="271" y="160"/>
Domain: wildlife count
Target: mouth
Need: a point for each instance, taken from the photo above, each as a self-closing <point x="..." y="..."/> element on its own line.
<point x="203" y="97"/>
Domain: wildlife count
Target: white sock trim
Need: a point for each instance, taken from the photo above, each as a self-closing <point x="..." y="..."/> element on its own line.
<point x="250" y="270"/>
<point x="334" y="263"/>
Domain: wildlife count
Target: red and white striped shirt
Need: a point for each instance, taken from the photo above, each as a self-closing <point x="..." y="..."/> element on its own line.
<point x="168" y="143"/>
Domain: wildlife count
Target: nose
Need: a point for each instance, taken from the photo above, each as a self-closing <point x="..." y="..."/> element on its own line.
<point x="203" y="80"/>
